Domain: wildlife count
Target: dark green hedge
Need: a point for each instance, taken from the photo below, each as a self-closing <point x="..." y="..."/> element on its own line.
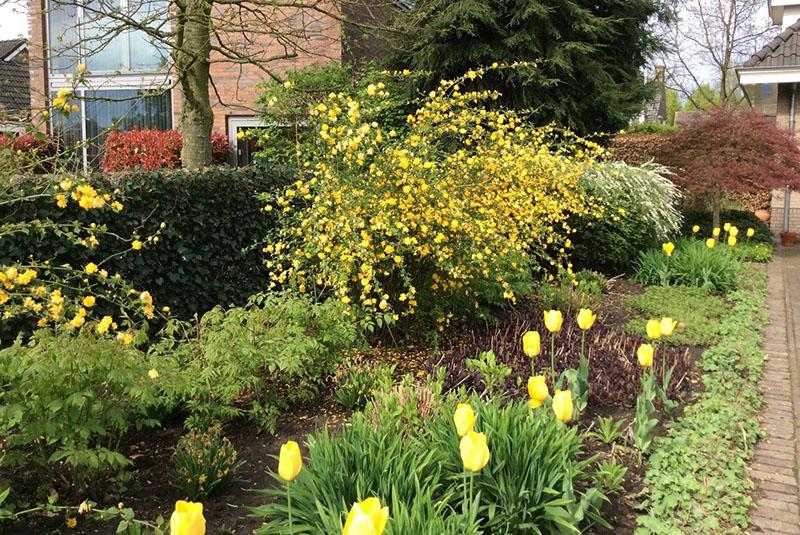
<point x="741" y="219"/>
<point x="205" y="254"/>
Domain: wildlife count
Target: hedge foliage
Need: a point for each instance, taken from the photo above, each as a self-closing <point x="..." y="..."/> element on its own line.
<point x="741" y="219"/>
<point x="203" y="256"/>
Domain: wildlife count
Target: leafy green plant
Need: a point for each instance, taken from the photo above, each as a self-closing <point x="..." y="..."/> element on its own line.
<point x="610" y="474"/>
<point x="692" y="264"/>
<point x="67" y="402"/>
<point x="204" y="462"/>
<point x="356" y="380"/>
<point x="696" y="310"/>
<point x="608" y="430"/>
<point x="568" y="292"/>
<point x="645" y="422"/>
<point x="493" y="373"/>
<point x="754" y="252"/>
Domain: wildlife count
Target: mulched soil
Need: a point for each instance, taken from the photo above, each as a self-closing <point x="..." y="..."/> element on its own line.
<point x="150" y="494"/>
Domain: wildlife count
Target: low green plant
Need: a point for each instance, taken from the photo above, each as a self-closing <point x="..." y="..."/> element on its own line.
<point x="610" y="474"/>
<point x="356" y="380"/>
<point x="608" y="430"/>
<point x="67" y="402"/>
<point x="493" y="373"/>
<point x="645" y="422"/>
<point x="578" y="381"/>
<point x="754" y="251"/>
<point x="204" y="462"/>
<point x="567" y="292"/>
<point x="692" y="264"/>
<point x="697" y="311"/>
<point x="698" y="481"/>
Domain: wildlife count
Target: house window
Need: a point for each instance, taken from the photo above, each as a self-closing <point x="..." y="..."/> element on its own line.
<point x="82" y="34"/>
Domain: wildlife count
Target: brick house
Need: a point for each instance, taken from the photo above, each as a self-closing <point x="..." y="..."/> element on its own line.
<point x="14" y="92"/>
<point x="771" y="83"/>
<point x="128" y="81"/>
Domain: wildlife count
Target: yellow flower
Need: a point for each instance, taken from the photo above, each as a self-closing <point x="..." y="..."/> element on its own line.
<point x="127" y="339"/>
<point x="76" y="322"/>
<point x="668" y="248"/>
<point x="104" y="325"/>
<point x="366" y="518"/>
<point x="187" y="519"/>
<point x="653" y="329"/>
<point x="89" y="301"/>
<point x="586" y="319"/>
<point x="750" y="232"/>
<point x="61" y="201"/>
<point x="726" y="227"/>
<point x="553" y="320"/>
<point x="464" y="418"/>
<point x="645" y="355"/>
<point x="537" y="391"/>
<point x="290" y="461"/>
<point x="81" y="68"/>
<point x="731" y="240"/>
<point x="136" y="245"/>
<point x="117" y="206"/>
<point x="153" y="373"/>
<point x="696" y="229"/>
<point x="562" y="405"/>
<point x="733" y="231"/>
<point x="91" y="268"/>
<point x="474" y="451"/>
<point x="715" y="232"/>
<point x="667" y="326"/>
<point x="531" y="344"/>
<point x="710" y="243"/>
<point x="71" y="523"/>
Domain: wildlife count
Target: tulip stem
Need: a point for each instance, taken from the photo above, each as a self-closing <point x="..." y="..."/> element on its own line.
<point x="553" y="358"/>
<point x="583" y="343"/>
<point x="289" y="505"/>
<point x="465" y="496"/>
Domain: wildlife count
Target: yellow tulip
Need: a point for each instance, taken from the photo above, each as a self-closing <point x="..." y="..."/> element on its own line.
<point x="553" y="320"/>
<point x="474" y="451"/>
<point x="464" y="418"/>
<point x="726" y="227"/>
<point x="290" y="461"/>
<point x="668" y="248"/>
<point x="654" y="329"/>
<point x="645" y="355"/>
<point x="696" y="229"/>
<point x="733" y="231"/>
<point x="187" y="519"/>
<point x="538" y="391"/>
<point x="710" y="243"/>
<point x="731" y="240"/>
<point x="750" y="232"/>
<point x="366" y="518"/>
<point x="586" y="319"/>
<point x="667" y="326"/>
<point x="531" y="344"/>
<point x="562" y="405"/>
<point x="715" y="232"/>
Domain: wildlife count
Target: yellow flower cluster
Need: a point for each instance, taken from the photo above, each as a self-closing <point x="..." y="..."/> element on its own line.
<point x="61" y="101"/>
<point x="470" y="198"/>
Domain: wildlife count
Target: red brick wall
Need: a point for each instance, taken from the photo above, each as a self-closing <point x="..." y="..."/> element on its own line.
<point x="36" y="58"/>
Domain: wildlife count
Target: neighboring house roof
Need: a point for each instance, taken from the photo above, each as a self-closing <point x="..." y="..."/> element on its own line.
<point x="783" y="51"/>
<point x="15" y="99"/>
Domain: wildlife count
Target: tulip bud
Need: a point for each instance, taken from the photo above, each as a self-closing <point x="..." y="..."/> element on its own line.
<point x="715" y="232"/>
<point x="726" y="227"/>
<point x="586" y="319"/>
<point x="187" y="519"/>
<point x="290" y="461"/>
<point x="474" y="451"/>
<point x="731" y="240"/>
<point x="562" y="405"/>
<point x="654" y="329"/>
<point x="366" y="518"/>
<point x="464" y="418"/>
<point x="696" y="229"/>
<point x="667" y="326"/>
<point x="645" y="355"/>
<point x="750" y="232"/>
<point x="710" y="243"/>
<point x="733" y="231"/>
<point x="538" y="391"/>
<point x="668" y="248"/>
<point x="531" y="344"/>
<point x="553" y="320"/>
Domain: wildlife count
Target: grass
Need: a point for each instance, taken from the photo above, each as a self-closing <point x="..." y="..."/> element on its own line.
<point x="697" y="309"/>
<point x="697" y="481"/>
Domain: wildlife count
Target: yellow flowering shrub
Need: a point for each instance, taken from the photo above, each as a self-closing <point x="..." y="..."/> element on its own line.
<point x="455" y="214"/>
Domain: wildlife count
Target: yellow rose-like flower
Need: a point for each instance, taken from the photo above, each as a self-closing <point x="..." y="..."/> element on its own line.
<point x="187" y="519"/>
<point x="89" y="301"/>
<point x="474" y="451"/>
<point x="61" y="201"/>
<point x="72" y="523"/>
<point x="586" y="319"/>
<point x="750" y="232"/>
<point x="537" y="391"/>
<point x="696" y="229"/>
<point x="715" y="232"/>
<point x="366" y="518"/>
<point x="531" y="344"/>
<point x="654" y="329"/>
<point x="667" y="326"/>
<point x="562" y="405"/>
<point x="290" y="461"/>
<point x="464" y="418"/>
<point x="731" y="240"/>
<point x="153" y="373"/>
<point x="733" y="231"/>
<point x="91" y="268"/>
<point x="645" y="355"/>
<point x="726" y="227"/>
<point x="710" y="243"/>
<point x="136" y="245"/>
<point x="668" y="248"/>
<point x="553" y="320"/>
<point x="104" y="325"/>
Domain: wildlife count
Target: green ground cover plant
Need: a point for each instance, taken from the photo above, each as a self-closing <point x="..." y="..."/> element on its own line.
<point x="698" y="480"/>
<point x="696" y="310"/>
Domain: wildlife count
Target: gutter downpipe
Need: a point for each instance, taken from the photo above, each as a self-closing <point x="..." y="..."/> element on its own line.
<point x="787" y="193"/>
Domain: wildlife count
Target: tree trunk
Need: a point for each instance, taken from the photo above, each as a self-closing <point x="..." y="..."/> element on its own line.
<point x="192" y="62"/>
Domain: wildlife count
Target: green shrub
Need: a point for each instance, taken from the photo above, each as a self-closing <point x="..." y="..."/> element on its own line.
<point x="692" y="264"/>
<point x="741" y="219"/>
<point x="640" y="211"/>
<point x="697" y="311"/>
<point x="204" y="462"/>
<point x="568" y="292"/>
<point x="535" y="480"/>
<point x="651" y="128"/>
<point x="754" y="252"/>
<point x="253" y="360"/>
<point x="67" y="401"/>
<point x="356" y="380"/>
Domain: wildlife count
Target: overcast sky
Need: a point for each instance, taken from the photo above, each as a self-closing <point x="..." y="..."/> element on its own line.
<point x="13" y="22"/>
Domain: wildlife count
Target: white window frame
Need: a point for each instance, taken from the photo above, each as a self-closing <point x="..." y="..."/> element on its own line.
<point x="235" y="122"/>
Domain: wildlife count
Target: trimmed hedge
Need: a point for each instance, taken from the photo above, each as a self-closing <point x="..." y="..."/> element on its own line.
<point x="741" y="219"/>
<point x="205" y="254"/>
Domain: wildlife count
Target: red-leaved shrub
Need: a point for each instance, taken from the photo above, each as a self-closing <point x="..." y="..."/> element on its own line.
<point x="219" y="148"/>
<point x="145" y="149"/>
<point x="40" y="144"/>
